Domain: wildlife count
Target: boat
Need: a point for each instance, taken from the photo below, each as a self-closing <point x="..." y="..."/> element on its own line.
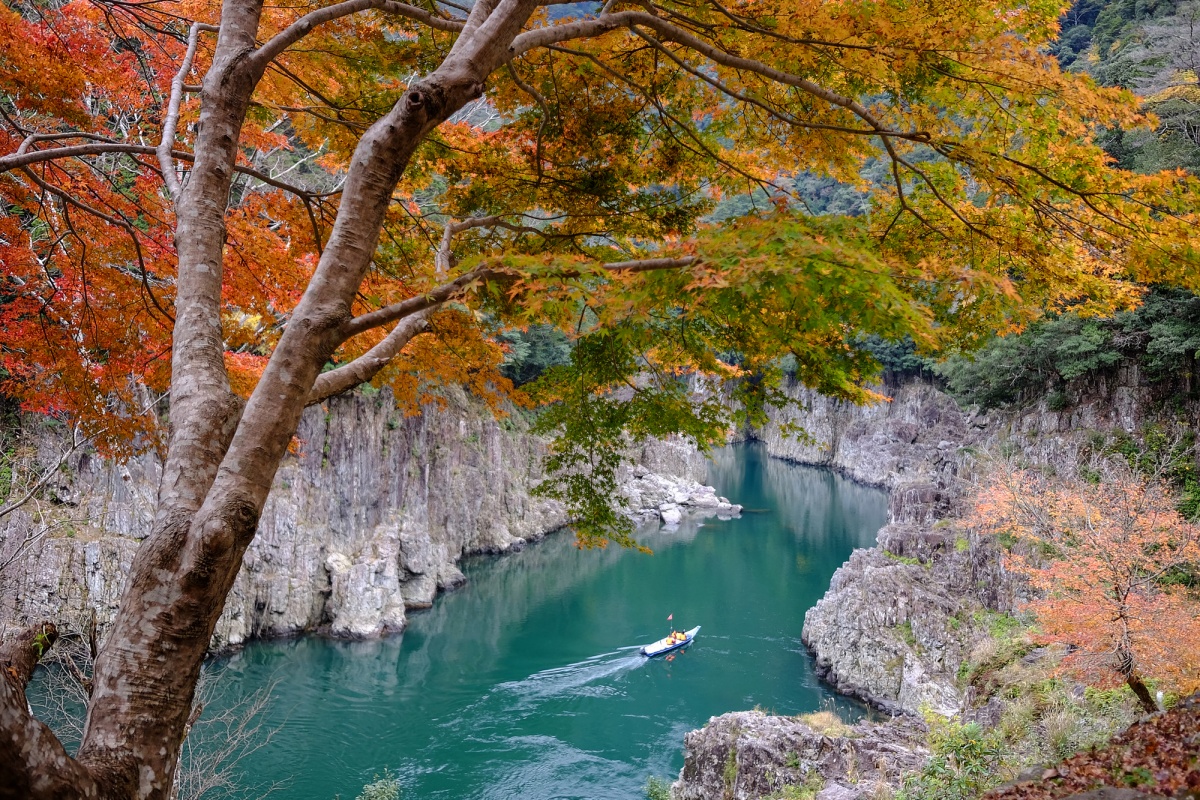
<point x="666" y="645"/>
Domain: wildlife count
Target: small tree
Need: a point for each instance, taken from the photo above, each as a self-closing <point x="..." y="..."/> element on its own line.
<point x="1105" y="558"/>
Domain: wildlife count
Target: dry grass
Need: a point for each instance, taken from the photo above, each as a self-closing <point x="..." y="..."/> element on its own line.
<point x="826" y="723"/>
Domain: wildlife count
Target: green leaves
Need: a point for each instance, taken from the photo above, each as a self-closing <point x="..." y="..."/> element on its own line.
<point x="769" y="298"/>
<point x="603" y="404"/>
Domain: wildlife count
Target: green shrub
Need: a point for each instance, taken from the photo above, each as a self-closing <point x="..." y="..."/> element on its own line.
<point x="385" y="787"/>
<point x="964" y="762"/>
<point x="658" y="789"/>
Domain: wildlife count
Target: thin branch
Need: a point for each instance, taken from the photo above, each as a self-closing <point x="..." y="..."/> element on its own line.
<point x="171" y="121"/>
<point x="541" y="101"/>
<point x="118" y="222"/>
<point x="23" y="159"/>
<point x="77" y="442"/>
<point x="447" y="291"/>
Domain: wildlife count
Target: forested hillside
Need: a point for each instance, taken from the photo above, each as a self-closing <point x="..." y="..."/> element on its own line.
<point x="1153" y="49"/>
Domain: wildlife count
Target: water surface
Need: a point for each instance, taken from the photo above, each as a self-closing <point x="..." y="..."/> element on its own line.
<point x="527" y="682"/>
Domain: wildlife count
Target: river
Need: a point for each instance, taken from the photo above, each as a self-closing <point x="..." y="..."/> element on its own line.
<point x="527" y="682"/>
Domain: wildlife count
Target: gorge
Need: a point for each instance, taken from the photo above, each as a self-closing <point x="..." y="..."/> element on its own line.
<point x="899" y="652"/>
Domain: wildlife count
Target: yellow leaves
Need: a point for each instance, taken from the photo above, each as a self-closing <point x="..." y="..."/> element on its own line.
<point x="1185" y="86"/>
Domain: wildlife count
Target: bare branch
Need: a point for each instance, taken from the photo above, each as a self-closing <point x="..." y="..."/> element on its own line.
<point x="171" y="121"/>
<point x="303" y="26"/>
<point x="23" y="159"/>
<point x="77" y="442"/>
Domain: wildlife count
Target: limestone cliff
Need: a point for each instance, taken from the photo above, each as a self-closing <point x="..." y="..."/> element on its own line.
<point x="367" y="521"/>
<point x="900" y="618"/>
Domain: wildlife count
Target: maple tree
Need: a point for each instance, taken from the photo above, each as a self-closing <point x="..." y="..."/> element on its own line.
<point x="255" y="207"/>
<point x="1101" y="555"/>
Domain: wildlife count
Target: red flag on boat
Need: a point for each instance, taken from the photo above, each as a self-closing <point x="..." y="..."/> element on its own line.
<point x="670" y="617"/>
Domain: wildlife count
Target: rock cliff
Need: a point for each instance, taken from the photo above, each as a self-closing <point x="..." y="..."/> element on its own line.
<point x="899" y="619"/>
<point x="365" y="522"/>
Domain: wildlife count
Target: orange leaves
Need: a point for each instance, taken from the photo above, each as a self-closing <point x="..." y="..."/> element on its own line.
<point x="55" y="69"/>
<point x="458" y="353"/>
<point x="244" y="371"/>
<point x="1104" y="558"/>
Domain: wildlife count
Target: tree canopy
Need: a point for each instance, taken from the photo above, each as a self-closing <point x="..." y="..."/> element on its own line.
<point x="256" y="207"/>
<point x="1105" y="557"/>
<point x="603" y="135"/>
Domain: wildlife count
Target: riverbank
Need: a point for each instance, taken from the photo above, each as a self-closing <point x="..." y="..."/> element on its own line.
<point x="527" y="680"/>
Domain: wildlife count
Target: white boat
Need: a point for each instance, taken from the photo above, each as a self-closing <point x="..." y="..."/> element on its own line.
<point x="667" y="644"/>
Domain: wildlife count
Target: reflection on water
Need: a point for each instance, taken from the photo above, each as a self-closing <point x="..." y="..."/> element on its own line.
<point x="527" y="682"/>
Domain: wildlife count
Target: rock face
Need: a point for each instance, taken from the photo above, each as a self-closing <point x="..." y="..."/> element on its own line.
<point x="366" y="522"/>
<point x="900" y="618"/>
<point x="749" y="754"/>
<point x="913" y="438"/>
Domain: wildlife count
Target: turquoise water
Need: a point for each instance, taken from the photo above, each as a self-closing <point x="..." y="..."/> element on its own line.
<point x="527" y="682"/>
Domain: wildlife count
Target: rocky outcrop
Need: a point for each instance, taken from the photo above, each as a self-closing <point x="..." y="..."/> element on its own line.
<point x="365" y="522"/>
<point x="900" y="619"/>
<point x="749" y="754"/>
<point x="651" y="495"/>
<point x="912" y="438"/>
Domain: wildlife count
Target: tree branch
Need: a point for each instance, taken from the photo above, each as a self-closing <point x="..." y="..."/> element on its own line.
<point x="20" y="655"/>
<point x="171" y="121"/>
<point x="370" y="363"/>
<point x="412" y="305"/>
<point x="22" y="158"/>
<point x="33" y="761"/>
<point x="303" y="26"/>
<point x="588" y="29"/>
<point x="447" y="291"/>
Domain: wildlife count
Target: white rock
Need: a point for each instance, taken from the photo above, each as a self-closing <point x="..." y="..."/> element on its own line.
<point x="671" y="516"/>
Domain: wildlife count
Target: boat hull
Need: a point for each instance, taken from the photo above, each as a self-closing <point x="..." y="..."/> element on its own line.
<point x="665" y="645"/>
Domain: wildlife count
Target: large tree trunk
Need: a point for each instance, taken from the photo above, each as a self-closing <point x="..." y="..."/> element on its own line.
<point x="222" y="458"/>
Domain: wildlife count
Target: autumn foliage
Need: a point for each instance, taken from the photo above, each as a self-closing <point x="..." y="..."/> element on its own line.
<point x="989" y="198"/>
<point x="1109" y="561"/>
<point x="255" y="207"/>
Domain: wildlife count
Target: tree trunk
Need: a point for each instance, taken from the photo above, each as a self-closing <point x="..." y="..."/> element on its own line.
<point x="1134" y="681"/>
<point x="222" y="458"/>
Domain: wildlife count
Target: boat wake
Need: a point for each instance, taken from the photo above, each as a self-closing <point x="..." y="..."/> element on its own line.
<point x="575" y="679"/>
